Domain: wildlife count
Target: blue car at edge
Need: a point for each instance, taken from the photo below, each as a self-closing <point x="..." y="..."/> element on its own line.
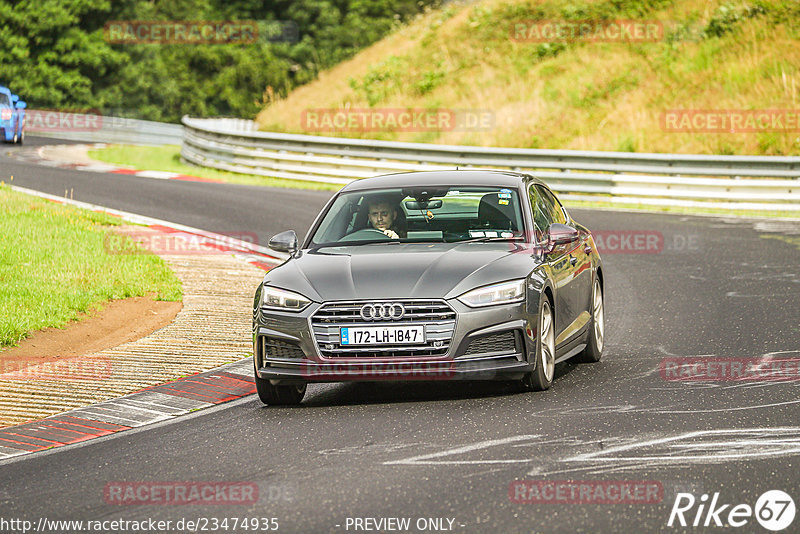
<point x="12" y="116"/>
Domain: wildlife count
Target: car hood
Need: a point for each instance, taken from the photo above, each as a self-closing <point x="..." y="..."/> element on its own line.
<point x="405" y="270"/>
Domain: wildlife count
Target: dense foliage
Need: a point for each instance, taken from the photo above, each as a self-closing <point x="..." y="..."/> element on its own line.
<point x="55" y="54"/>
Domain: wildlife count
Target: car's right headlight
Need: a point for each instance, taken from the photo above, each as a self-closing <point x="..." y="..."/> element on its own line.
<point x="503" y="293"/>
<point x="272" y="297"/>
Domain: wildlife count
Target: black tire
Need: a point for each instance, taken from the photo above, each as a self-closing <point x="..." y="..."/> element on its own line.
<point x="21" y="138"/>
<point x="541" y="378"/>
<point x="279" y="395"/>
<point x="596" y="334"/>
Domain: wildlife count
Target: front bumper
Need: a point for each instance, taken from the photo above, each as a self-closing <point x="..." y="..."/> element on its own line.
<point x="293" y="371"/>
<point x="503" y="335"/>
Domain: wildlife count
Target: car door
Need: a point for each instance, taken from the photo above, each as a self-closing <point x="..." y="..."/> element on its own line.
<point x="557" y="259"/>
<point x="573" y="265"/>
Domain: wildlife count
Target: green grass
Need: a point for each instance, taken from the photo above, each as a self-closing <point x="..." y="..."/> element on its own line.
<point x="168" y="158"/>
<point x="54" y="266"/>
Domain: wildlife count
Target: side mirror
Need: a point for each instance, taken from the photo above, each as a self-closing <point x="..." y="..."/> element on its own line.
<point x="14" y="98"/>
<point x="284" y="242"/>
<point x="561" y="234"/>
<point x="21" y="104"/>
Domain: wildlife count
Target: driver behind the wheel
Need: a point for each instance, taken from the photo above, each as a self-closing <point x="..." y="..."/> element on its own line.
<point x="383" y="216"/>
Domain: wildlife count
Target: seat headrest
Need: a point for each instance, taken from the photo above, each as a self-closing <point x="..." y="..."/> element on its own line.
<point x="496" y="214"/>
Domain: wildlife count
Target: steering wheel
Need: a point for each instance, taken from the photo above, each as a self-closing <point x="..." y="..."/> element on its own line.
<point x="365" y="234"/>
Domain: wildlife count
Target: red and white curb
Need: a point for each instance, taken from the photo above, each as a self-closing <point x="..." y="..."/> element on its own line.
<point x="156" y="403"/>
<point x="36" y="156"/>
<point x="151" y="405"/>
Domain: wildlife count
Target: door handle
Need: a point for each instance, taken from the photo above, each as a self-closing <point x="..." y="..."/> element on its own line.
<point x="573" y="260"/>
<point x="587" y="249"/>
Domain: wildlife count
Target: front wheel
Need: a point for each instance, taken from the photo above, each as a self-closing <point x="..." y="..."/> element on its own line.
<point x="279" y="395"/>
<point x="594" y="347"/>
<point x="541" y="378"/>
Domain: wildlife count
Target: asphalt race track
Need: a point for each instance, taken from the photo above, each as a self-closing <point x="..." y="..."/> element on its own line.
<point x="445" y="454"/>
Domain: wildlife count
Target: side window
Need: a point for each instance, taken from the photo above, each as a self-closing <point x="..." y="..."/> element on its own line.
<point x="552" y="206"/>
<point x="541" y="217"/>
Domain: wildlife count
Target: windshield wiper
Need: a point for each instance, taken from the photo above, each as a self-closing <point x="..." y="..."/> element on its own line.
<point x="488" y="239"/>
<point x="354" y="243"/>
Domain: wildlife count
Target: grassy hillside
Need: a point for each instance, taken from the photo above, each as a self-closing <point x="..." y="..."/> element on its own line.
<point x="55" y="264"/>
<point x="714" y="55"/>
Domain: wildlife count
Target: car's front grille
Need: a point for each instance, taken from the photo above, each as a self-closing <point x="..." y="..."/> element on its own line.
<point x="492" y="343"/>
<point x="436" y="316"/>
<point x="277" y="348"/>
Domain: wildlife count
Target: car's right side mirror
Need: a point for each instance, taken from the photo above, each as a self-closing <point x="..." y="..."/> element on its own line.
<point x="284" y="242"/>
<point x="21" y="104"/>
<point x="561" y="234"/>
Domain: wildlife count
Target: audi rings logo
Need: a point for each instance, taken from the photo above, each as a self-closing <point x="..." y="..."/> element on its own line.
<point x="384" y="311"/>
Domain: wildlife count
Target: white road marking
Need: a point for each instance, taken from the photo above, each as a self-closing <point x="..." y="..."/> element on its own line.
<point x="158" y="175"/>
<point x="712" y="410"/>
<point x="97" y="167"/>
<point x="744" y="447"/>
<point x="427" y="459"/>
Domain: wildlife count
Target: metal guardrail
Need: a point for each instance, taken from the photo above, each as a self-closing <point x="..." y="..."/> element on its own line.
<point x="95" y="128"/>
<point x="732" y="182"/>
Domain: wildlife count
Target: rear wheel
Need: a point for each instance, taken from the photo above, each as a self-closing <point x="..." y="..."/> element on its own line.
<point x="541" y="378"/>
<point x="279" y="395"/>
<point x="594" y="346"/>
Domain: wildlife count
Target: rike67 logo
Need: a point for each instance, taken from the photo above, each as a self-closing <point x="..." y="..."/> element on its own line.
<point x="774" y="510"/>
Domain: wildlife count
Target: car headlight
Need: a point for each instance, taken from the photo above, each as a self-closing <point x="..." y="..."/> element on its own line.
<point x="272" y="297"/>
<point x="504" y="293"/>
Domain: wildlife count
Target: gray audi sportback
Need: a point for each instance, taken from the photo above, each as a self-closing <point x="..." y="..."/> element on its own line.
<point x="445" y="275"/>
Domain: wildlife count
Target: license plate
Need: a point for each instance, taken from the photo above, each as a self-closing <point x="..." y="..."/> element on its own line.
<point x="382" y="335"/>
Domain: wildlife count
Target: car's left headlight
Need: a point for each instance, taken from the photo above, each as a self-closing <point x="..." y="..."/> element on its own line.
<point x="503" y="293"/>
<point x="272" y="297"/>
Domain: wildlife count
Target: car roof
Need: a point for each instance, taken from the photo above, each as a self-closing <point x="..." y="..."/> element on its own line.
<point x="4" y="89"/>
<point x="470" y="177"/>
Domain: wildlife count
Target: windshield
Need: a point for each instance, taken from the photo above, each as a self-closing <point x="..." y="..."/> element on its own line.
<point x="422" y="214"/>
<point x="5" y="101"/>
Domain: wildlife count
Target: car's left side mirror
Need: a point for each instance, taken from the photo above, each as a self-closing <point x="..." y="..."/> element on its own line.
<point x="14" y="98"/>
<point x="21" y="104"/>
<point x="561" y="234"/>
<point x="284" y="242"/>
